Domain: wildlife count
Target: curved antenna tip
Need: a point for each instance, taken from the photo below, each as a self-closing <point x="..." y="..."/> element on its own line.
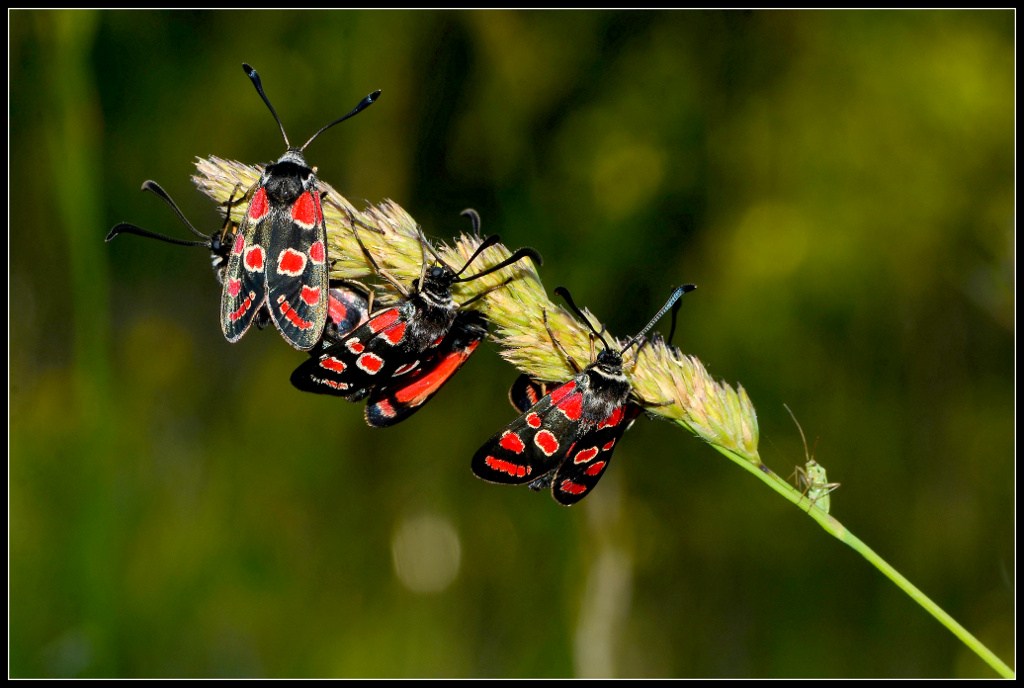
<point x="115" y="231"/>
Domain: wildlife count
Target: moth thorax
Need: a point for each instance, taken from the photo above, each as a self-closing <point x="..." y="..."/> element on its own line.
<point x="287" y="178"/>
<point x="607" y="391"/>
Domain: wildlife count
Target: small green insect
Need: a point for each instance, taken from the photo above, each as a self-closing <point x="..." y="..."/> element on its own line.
<point x="812" y="481"/>
<point x="811" y="478"/>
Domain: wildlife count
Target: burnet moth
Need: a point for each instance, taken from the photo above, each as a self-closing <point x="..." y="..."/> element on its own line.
<point x="564" y="438"/>
<point x="279" y="257"/>
<point x="406" y="351"/>
<point x="527" y="391"/>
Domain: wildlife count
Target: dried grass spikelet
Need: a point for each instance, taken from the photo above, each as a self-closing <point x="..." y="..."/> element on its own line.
<point x="515" y="301"/>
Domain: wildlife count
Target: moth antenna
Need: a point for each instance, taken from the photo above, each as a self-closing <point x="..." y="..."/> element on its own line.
<point x="153" y="187"/>
<point x="255" y="79"/>
<point x="474" y="217"/>
<point x="126" y="228"/>
<point x="521" y="253"/>
<point x="487" y="243"/>
<point x="363" y="104"/>
<point x="564" y="293"/>
<point x="677" y="294"/>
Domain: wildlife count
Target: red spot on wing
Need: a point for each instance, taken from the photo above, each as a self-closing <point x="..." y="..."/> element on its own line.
<point x="258" y="206"/>
<point x="370" y="362"/>
<point x="533" y="420"/>
<point x="354" y="345"/>
<point x="571" y="406"/>
<point x="563" y="391"/>
<point x="596" y="468"/>
<point x="244" y="307"/>
<point x="291" y="262"/>
<point x="332" y="363"/>
<point x="336" y="310"/>
<point x="511" y="442"/>
<point x="547" y="442"/>
<point x="614" y="419"/>
<point x="310" y="295"/>
<point x="254" y="257"/>
<point x="234" y="286"/>
<point x="239" y="244"/>
<point x="385" y="408"/>
<point x="610" y="444"/>
<point x="515" y="470"/>
<point x="329" y="383"/>
<point x="585" y="455"/>
<point x="417" y="391"/>
<point x="304" y="210"/>
<point x="385" y="319"/>
<point x="394" y="333"/>
<point x="291" y="316"/>
<point x="572" y="488"/>
<point x="319" y="210"/>
<point x="317" y="253"/>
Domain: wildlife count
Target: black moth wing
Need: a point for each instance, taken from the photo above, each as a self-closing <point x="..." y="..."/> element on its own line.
<point x="527" y="391"/>
<point x="367" y="356"/>
<point x="588" y="459"/>
<point x="297" y="282"/>
<point x="405" y="393"/>
<point x="536" y="442"/>
<point x="244" y="278"/>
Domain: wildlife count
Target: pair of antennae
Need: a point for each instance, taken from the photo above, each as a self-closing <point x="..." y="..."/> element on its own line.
<point x="487" y="242"/>
<point x="518" y="255"/>
<point x="673" y="302"/>
<point x="255" y="78"/>
<point x="127" y="228"/>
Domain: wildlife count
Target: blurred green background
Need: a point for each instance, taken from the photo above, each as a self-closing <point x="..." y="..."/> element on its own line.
<point x="840" y="185"/>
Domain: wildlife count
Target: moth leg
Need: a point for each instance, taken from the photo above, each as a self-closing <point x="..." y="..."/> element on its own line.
<point x="576" y="369"/>
<point x="653" y="404"/>
<point x="373" y="263"/>
<point x="353" y="218"/>
<point x="423" y="256"/>
<point x="230" y="203"/>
